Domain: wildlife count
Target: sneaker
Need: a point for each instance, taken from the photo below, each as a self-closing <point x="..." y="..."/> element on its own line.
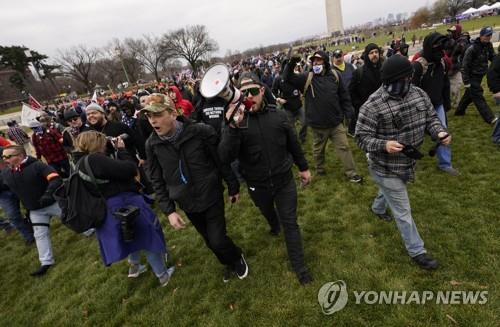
<point x="305" y="278"/>
<point x="383" y="216"/>
<point x="135" y="270"/>
<point x="89" y="232"/>
<point x="494" y="121"/>
<point x="355" y="179"/>
<point x="241" y="267"/>
<point x="452" y="171"/>
<point x="41" y="271"/>
<point x="165" y="278"/>
<point x="425" y="261"/>
<point x="228" y="273"/>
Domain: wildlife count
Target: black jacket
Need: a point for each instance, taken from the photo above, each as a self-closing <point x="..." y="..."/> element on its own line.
<point x="119" y="172"/>
<point x="266" y="149"/>
<point x="435" y="81"/>
<point x="365" y="81"/>
<point x="327" y="102"/>
<point x="115" y="129"/>
<point x="475" y="62"/>
<point x="210" y="112"/>
<point x="494" y="75"/>
<point x="195" y="155"/>
<point x="31" y="182"/>
<point x="287" y="91"/>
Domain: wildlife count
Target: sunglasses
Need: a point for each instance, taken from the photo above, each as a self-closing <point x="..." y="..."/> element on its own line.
<point x="74" y="119"/>
<point x="9" y="156"/>
<point x="253" y="91"/>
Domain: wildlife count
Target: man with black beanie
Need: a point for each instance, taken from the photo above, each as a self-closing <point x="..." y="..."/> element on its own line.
<point x="390" y="128"/>
<point x="430" y="74"/>
<point x="365" y="81"/>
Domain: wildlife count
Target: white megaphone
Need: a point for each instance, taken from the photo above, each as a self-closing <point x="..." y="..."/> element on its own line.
<point x="217" y="83"/>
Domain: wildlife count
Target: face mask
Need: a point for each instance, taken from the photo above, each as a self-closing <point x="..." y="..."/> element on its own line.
<point x="398" y="89"/>
<point x="317" y="69"/>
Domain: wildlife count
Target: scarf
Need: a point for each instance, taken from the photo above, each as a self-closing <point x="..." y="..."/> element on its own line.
<point x="179" y="127"/>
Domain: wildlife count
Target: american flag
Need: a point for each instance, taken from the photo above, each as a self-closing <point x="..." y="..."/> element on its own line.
<point x="33" y="103"/>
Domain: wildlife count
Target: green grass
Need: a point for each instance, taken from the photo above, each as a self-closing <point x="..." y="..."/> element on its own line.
<point x="457" y="218"/>
<point x="10" y="110"/>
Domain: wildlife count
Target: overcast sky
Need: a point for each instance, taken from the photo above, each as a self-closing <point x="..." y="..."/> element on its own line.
<point x="46" y="26"/>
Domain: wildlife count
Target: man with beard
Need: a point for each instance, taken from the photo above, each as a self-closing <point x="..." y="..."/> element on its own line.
<point x="365" y="81"/>
<point x="430" y="74"/>
<point x="327" y="103"/>
<point x="390" y="128"/>
<point x="474" y="67"/>
<point x="96" y="119"/>
<point x="267" y="148"/>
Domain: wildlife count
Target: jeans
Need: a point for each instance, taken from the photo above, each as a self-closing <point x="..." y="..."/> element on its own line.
<point x="40" y="220"/>
<point x="299" y="115"/>
<point x="155" y="260"/>
<point x="338" y="136"/>
<point x="392" y="193"/>
<point x="280" y="206"/>
<point x="211" y="224"/>
<point x="443" y="152"/>
<point x="474" y="94"/>
<point x="10" y="205"/>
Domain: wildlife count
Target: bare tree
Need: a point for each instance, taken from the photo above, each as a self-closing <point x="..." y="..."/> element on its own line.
<point x="149" y="52"/>
<point x="79" y="62"/>
<point x="456" y="6"/>
<point x="191" y="43"/>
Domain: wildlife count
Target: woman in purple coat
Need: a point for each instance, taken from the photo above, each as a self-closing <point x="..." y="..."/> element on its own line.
<point x="130" y="225"/>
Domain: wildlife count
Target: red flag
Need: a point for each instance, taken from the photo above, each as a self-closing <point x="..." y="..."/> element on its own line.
<point x="33" y="103"/>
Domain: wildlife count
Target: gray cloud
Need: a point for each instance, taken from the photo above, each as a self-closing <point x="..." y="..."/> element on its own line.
<point x="237" y="25"/>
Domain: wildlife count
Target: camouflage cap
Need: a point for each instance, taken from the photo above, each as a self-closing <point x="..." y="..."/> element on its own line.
<point x="158" y="102"/>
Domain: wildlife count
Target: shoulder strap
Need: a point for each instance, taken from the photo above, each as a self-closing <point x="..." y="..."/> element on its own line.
<point x="424" y="63"/>
<point x="91" y="176"/>
<point x="336" y="74"/>
<point x="308" y="83"/>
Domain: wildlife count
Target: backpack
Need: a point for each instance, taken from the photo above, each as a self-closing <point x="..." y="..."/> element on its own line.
<point x="80" y="209"/>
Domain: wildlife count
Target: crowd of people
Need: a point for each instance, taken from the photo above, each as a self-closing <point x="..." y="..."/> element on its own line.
<point x="166" y="143"/>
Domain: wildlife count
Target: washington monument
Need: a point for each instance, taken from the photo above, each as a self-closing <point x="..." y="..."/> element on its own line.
<point x="334" y="16"/>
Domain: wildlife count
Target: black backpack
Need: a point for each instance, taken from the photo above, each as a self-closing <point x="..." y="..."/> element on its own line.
<point x="80" y="208"/>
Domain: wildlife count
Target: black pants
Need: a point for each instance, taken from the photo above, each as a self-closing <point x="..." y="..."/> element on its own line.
<point x="352" y="123"/>
<point x="280" y="206"/>
<point x="475" y="94"/>
<point x="211" y="224"/>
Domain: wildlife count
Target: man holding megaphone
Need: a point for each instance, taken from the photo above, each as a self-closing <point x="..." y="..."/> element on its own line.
<point x="266" y="145"/>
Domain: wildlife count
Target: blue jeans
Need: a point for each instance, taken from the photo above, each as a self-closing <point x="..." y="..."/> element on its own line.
<point x="155" y="260"/>
<point x="393" y="194"/>
<point x="40" y="220"/>
<point x="10" y="205"/>
<point x="443" y="152"/>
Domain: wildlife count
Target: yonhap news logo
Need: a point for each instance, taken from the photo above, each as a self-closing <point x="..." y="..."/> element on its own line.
<point x="333" y="297"/>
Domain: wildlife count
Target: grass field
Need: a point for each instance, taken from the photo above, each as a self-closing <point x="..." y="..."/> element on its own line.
<point x="458" y="218"/>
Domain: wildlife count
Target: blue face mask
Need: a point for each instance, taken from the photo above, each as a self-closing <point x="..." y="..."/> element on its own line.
<point x="317" y="69"/>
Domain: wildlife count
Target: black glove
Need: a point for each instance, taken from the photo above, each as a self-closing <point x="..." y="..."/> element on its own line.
<point x="294" y="60"/>
<point x="46" y="200"/>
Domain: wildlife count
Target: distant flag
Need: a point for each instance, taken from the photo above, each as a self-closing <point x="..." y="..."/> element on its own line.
<point x="29" y="115"/>
<point x="94" y="97"/>
<point x="33" y="103"/>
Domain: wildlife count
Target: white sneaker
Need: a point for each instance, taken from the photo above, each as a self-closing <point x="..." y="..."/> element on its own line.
<point x="165" y="278"/>
<point x="135" y="270"/>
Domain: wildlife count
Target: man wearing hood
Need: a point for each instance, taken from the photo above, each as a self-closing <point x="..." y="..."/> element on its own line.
<point x="474" y="67"/>
<point x="289" y="97"/>
<point x="327" y="104"/>
<point x="390" y="128"/>
<point x="365" y="81"/>
<point x="180" y="103"/>
<point x="430" y="74"/>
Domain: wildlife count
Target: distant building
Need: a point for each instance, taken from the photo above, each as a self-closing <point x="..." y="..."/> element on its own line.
<point x="334" y="17"/>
